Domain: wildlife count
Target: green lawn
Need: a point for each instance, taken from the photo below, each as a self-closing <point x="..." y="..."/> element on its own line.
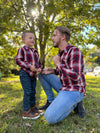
<point x="11" y="95"/>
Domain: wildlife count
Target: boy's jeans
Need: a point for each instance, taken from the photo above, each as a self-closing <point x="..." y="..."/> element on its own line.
<point x="29" y="85"/>
<point x="63" y="104"/>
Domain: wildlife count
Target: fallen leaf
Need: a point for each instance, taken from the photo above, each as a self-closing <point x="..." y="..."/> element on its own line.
<point x="76" y="122"/>
<point x="27" y="124"/>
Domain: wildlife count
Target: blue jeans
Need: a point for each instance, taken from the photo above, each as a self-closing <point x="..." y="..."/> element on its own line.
<point x="48" y="82"/>
<point x="63" y="104"/>
<point x="29" y="85"/>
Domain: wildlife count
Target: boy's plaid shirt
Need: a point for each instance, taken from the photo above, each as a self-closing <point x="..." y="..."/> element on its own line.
<point x="71" y="70"/>
<point x="26" y="57"/>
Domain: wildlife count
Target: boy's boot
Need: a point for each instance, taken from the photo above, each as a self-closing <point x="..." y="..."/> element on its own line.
<point x="30" y="115"/>
<point x="36" y="110"/>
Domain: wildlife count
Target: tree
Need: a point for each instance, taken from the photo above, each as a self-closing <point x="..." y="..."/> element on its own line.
<point x="92" y="58"/>
<point x="16" y="16"/>
<point x="7" y="62"/>
<point x="94" y="54"/>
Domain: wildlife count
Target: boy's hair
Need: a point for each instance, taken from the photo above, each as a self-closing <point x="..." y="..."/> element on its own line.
<point x="64" y="30"/>
<point x="25" y="32"/>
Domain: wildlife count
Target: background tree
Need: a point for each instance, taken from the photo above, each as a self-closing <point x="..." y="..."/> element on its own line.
<point x="90" y="59"/>
<point x="94" y="54"/>
<point x="41" y="16"/>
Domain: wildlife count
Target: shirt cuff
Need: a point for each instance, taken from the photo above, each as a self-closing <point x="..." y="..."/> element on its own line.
<point x="55" y="71"/>
<point x="61" y="66"/>
<point x="28" y="66"/>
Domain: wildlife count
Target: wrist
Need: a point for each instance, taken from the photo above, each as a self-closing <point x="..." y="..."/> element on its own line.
<point x="58" y="64"/>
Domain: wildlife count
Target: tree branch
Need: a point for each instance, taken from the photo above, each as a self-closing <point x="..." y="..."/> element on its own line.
<point x="27" y="23"/>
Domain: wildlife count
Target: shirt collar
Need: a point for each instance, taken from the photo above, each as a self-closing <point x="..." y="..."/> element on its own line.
<point x="27" y="48"/>
<point x="65" y="50"/>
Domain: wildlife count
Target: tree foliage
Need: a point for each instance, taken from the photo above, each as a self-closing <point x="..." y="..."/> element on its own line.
<point x="7" y="59"/>
<point x="92" y="58"/>
<point x="41" y="16"/>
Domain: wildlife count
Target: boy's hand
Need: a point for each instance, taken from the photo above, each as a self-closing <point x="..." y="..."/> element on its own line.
<point x="32" y="68"/>
<point x="38" y="70"/>
<point x="47" y="71"/>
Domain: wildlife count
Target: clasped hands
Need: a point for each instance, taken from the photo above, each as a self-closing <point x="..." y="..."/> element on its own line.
<point x="57" y="62"/>
<point x="34" y="69"/>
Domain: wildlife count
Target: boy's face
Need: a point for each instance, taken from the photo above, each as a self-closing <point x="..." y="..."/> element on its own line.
<point x="29" y="39"/>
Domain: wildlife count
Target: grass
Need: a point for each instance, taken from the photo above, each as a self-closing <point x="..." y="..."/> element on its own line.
<point x="11" y="95"/>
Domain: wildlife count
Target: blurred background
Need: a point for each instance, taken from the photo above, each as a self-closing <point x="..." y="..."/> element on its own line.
<point x="41" y="17"/>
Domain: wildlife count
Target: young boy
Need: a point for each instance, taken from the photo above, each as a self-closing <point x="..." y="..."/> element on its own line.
<point x="28" y="60"/>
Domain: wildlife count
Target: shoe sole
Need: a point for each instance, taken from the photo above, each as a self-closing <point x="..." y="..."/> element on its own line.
<point x="33" y="118"/>
<point x="41" y="113"/>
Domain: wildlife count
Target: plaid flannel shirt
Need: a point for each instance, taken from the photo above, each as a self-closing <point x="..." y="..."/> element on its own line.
<point x="71" y="70"/>
<point x="26" y="57"/>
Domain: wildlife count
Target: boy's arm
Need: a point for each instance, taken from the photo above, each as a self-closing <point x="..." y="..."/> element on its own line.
<point x="20" y="59"/>
<point x="45" y="70"/>
<point x="49" y="71"/>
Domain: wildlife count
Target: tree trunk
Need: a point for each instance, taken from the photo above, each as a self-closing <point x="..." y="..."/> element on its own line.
<point x="42" y="54"/>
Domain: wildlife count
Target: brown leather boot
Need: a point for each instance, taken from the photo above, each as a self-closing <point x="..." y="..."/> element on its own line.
<point x="30" y="115"/>
<point x="35" y="110"/>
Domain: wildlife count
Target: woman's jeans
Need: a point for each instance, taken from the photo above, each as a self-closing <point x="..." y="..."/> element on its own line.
<point x="29" y="85"/>
<point x="63" y="104"/>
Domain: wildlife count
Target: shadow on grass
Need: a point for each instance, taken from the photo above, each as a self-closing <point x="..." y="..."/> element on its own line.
<point x="93" y="82"/>
<point x="11" y="90"/>
<point x="14" y="123"/>
<point x="14" y="111"/>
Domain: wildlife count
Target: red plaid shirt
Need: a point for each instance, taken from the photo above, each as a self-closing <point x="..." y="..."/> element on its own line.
<point x="71" y="70"/>
<point x="26" y="57"/>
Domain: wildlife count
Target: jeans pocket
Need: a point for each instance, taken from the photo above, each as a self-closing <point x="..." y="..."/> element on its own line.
<point x="22" y="73"/>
